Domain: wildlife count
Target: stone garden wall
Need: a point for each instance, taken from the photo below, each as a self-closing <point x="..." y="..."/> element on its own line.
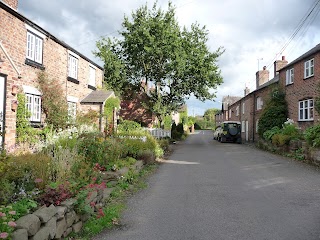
<point x="57" y="222"/>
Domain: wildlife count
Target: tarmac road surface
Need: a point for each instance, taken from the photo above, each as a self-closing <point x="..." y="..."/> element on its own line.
<point x="211" y="190"/>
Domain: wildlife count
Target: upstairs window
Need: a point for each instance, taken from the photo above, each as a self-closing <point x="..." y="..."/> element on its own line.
<point x="34" y="49"/>
<point x="309" y="68"/>
<point x="237" y="111"/>
<point x="259" y="103"/>
<point x="230" y="113"/>
<point x="306" y="110"/>
<point x="92" y="76"/>
<point x="73" y="65"/>
<point x="243" y="107"/>
<point x="289" y="76"/>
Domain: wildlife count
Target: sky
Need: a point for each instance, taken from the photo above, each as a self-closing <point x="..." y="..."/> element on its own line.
<point x="253" y="33"/>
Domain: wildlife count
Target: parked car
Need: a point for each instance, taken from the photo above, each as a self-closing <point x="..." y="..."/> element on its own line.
<point x="216" y="132"/>
<point x="230" y="132"/>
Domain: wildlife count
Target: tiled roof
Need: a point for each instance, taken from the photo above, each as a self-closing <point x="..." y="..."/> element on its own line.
<point x="42" y="30"/>
<point x="97" y="97"/>
<point x="229" y="100"/>
<point x="305" y="55"/>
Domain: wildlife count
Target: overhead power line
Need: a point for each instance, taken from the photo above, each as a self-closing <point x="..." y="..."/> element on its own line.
<point x="296" y="30"/>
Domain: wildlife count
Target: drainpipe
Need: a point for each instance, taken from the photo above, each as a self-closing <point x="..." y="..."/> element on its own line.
<point x="10" y="60"/>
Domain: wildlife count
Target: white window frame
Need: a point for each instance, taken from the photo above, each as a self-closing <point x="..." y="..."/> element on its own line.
<point x="259" y="103"/>
<point x="72" y="108"/>
<point x="289" y="76"/>
<point x="309" y="68"/>
<point x="230" y="113"/>
<point x="237" y="111"/>
<point x="243" y="127"/>
<point x="73" y="63"/>
<point x="33" y="103"/>
<point x="306" y="110"/>
<point x="92" y="76"/>
<point x="34" y="47"/>
<point x="243" y="107"/>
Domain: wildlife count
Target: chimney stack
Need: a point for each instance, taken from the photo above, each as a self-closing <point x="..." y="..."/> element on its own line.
<point x="246" y="91"/>
<point x="262" y="77"/>
<point x="278" y="64"/>
<point x="11" y="3"/>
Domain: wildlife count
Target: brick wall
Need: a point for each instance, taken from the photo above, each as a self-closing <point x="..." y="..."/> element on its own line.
<point x="12" y="3"/>
<point x="13" y="36"/>
<point x="301" y="89"/>
<point x="134" y="111"/>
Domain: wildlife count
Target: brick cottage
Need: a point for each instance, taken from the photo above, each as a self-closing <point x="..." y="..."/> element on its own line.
<point x="25" y="49"/>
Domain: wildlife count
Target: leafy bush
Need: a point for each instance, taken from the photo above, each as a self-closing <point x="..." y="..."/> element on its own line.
<point x="26" y="172"/>
<point x="267" y="135"/>
<point x="147" y="156"/>
<point x="25" y="133"/>
<point x="164" y="144"/>
<point x="312" y="136"/>
<point x="275" y="112"/>
<point x="55" y="194"/>
<point x="54" y="103"/>
<point x="280" y="139"/>
<point x="128" y="126"/>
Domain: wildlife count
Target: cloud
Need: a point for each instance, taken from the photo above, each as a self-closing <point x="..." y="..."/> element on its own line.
<point x="248" y="30"/>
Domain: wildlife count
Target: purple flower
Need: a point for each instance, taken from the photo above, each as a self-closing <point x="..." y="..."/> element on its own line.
<point x="4" y="235"/>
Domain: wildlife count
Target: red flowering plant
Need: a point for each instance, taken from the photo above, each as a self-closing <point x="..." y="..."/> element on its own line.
<point x="55" y="194"/>
<point x="85" y="203"/>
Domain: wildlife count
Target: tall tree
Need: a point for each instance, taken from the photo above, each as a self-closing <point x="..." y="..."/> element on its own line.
<point x="154" y="48"/>
<point x="209" y="114"/>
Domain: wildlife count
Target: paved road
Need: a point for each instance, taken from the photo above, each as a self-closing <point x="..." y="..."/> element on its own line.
<point x="211" y="190"/>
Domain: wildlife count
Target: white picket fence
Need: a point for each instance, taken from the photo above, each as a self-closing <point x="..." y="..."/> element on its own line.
<point x="159" y="133"/>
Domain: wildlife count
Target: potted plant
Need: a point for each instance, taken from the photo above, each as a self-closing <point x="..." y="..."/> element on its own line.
<point x="15" y="89"/>
<point x="14" y="105"/>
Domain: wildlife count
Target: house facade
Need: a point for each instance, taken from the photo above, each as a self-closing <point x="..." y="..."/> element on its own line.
<point x="248" y="109"/>
<point x="300" y="80"/>
<point x="27" y="49"/>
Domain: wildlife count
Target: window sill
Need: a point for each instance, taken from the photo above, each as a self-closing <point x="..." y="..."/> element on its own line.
<point x="34" y="64"/>
<point x="308" y="77"/>
<point x="306" y="120"/>
<point x="36" y="124"/>
<point x="70" y="79"/>
<point x="288" y="84"/>
<point x="92" y="87"/>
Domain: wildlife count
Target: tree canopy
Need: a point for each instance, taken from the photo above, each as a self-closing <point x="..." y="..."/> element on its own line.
<point x="209" y="114"/>
<point x="154" y="50"/>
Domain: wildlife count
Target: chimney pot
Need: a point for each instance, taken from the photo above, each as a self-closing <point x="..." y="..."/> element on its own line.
<point x="283" y="58"/>
<point x="264" y="67"/>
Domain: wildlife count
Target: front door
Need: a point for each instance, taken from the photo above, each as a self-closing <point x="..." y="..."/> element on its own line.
<point x="2" y="109"/>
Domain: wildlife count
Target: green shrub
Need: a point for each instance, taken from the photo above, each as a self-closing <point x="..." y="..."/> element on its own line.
<point x="164" y="144"/>
<point x="267" y="135"/>
<point x="147" y="156"/>
<point x="280" y="139"/>
<point x="28" y="171"/>
<point x="24" y="131"/>
<point x="312" y="136"/>
<point x="274" y="113"/>
<point x="127" y="126"/>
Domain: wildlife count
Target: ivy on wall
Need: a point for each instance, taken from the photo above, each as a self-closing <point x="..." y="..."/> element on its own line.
<point x="54" y="103"/>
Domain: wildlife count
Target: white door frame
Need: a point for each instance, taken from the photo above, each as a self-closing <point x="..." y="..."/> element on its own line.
<point x="3" y="85"/>
<point x="247" y="130"/>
